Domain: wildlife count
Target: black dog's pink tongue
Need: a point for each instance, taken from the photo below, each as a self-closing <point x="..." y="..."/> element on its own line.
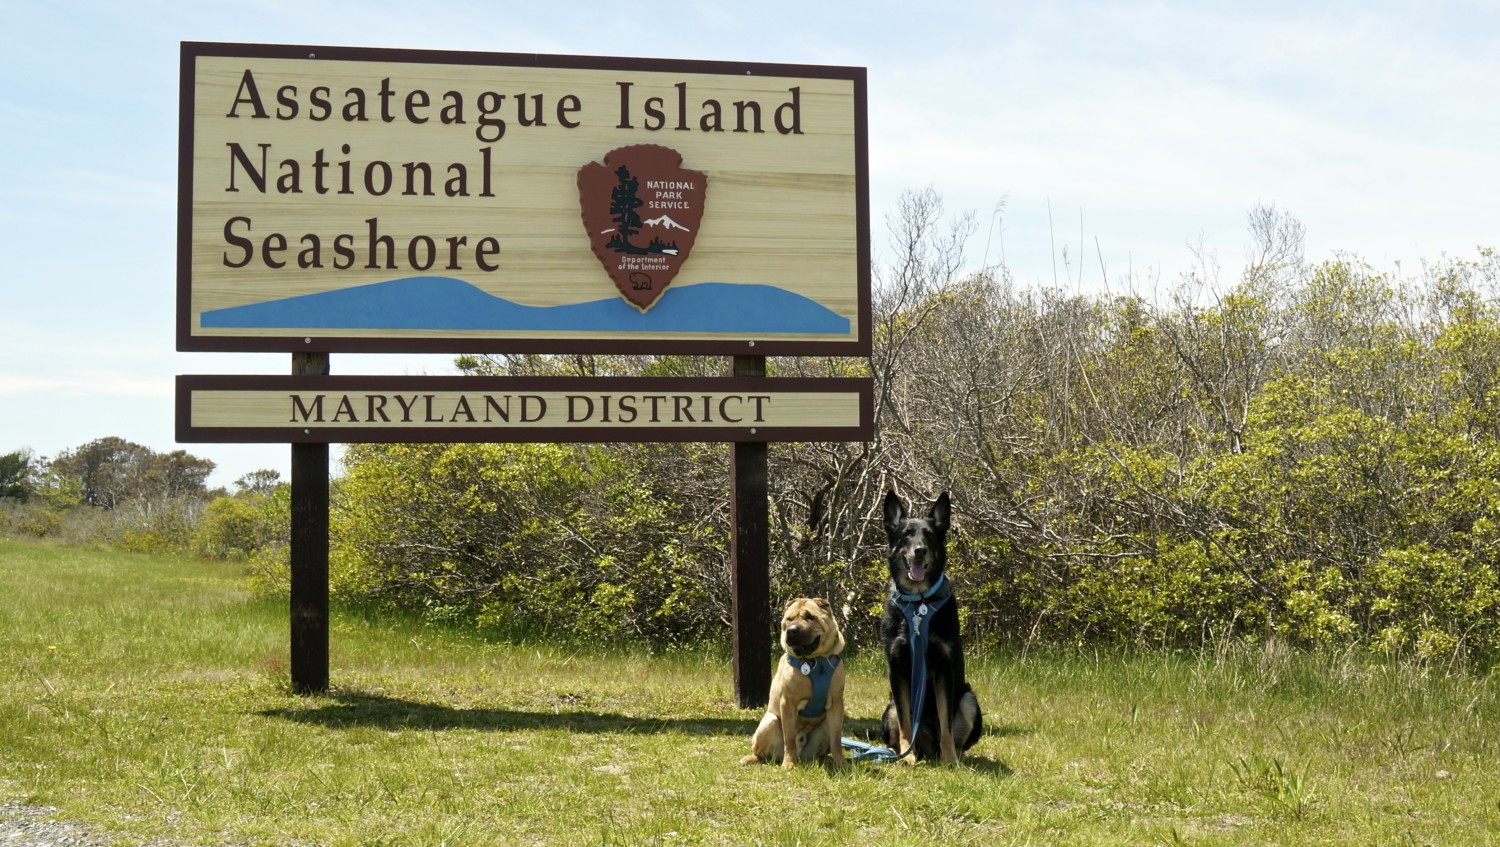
<point x="917" y="573"/>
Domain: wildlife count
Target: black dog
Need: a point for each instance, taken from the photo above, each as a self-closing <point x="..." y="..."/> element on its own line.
<point x="921" y="593"/>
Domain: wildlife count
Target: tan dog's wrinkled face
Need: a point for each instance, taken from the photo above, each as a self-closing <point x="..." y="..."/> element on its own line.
<point x="808" y="628"/>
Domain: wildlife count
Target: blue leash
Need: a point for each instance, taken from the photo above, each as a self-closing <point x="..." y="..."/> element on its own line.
<point x="859" y="751"/>
<point x="915" y="608"/>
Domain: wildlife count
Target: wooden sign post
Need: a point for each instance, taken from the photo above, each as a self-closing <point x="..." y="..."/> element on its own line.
<point x="750" y="558"/>
<point x="309" y="551"/>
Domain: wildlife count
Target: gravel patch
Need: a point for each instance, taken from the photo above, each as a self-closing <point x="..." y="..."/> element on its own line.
<point x="33" y="826"/>
<point x="36" y="826"/>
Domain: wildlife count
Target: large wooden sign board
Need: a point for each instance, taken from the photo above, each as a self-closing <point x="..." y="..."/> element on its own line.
<point x="342" y="199"/>
<point x="335" y="199"/>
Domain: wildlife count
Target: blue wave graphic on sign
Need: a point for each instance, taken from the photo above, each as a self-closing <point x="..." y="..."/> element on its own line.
<point x="442" y="303"/>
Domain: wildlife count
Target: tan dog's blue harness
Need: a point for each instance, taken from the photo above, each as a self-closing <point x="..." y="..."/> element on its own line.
<point x="820" y="671"/>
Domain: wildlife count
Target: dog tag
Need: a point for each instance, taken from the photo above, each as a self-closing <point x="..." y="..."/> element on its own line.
<point x="922" y="610"/>
<point x="806" y="669"/>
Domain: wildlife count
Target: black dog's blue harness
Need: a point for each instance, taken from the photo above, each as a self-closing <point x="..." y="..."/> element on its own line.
<point x="915" y="608"/>
<point x="820" y="671"/>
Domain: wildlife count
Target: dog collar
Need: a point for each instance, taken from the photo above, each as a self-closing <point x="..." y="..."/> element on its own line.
<point x="820" y="671"/>
<point x="916" y="607"/>
<point x="940" y="585"/>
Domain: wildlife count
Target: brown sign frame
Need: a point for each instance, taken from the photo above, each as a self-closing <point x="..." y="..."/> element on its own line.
<point x="855" y="389"/>
<point x="856" y="343"/>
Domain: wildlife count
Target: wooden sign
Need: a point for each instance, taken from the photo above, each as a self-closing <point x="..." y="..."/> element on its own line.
<point x="341" y="199"/>
<point x="349" y="409"/>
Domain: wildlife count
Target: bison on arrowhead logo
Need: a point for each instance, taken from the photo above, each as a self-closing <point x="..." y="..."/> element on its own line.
<point x="641" y="209"/>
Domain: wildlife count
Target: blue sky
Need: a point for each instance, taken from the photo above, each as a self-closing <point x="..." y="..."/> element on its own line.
<point x="1140" y="132"/>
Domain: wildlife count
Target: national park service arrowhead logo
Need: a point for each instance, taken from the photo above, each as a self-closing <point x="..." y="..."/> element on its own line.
<point x="641" y="209"/>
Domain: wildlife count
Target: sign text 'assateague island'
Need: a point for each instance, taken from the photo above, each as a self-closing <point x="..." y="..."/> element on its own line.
<point x="368" y="200"/>
<point x="346" y="409"/>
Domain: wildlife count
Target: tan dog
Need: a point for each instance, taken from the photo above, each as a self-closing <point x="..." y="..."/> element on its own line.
<point x="813" y="643"/>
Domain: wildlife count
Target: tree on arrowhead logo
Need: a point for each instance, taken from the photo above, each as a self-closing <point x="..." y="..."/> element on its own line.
<point x="641" y="210"/>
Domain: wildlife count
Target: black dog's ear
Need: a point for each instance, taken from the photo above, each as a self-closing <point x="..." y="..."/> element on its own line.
<point x="895" y="514"/>
<point x="940" y="513"/>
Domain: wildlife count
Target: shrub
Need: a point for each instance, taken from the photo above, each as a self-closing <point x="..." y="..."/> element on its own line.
<point x="562" y="538"/>
<point x="237" y="527"/>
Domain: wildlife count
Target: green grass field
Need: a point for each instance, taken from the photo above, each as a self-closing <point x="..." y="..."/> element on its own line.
<point x="147" y="698"/>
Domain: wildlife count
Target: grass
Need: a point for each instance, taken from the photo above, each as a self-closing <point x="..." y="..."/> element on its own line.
<point x="147" y="698"/>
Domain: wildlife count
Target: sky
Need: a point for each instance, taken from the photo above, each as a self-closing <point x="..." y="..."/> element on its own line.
<point x="1097" y="144"/>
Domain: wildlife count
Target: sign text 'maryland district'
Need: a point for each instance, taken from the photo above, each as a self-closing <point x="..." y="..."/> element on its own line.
<point x="502" y="409"/>
<point x="355" y="408"/>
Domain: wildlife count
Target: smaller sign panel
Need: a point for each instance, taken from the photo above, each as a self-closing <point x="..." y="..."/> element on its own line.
<point x="349" y="409"/>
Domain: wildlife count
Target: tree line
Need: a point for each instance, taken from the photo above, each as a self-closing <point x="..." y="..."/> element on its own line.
<point x="1309" y="451"/>
<point x="116" y="492"/>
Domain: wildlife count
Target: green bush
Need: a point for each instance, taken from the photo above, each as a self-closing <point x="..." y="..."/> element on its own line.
<point x="162" y="527"/>
<point x="1433" y="602"/>
<point x="546" y="537"/>
<point x="235" y="528"/>
<point x="29" y="519"/>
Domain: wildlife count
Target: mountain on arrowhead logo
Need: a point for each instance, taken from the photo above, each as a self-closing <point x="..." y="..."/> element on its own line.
<point x="641" y="210"/>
